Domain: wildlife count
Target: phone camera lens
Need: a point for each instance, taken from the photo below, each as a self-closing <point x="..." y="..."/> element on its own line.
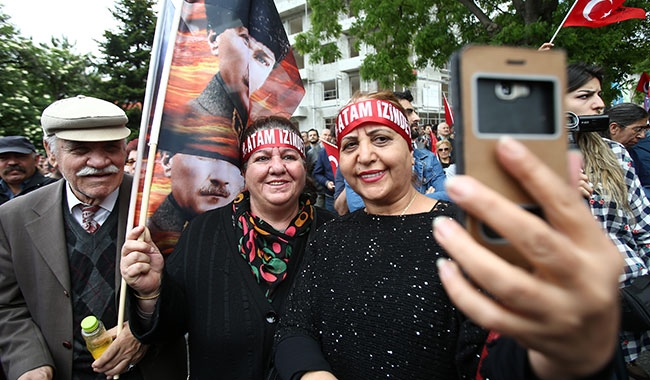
<point x="506" y="89"/>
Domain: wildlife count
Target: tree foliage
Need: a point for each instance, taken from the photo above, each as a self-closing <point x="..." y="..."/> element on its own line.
<point x="404" y="35"/>
<point x="33" y="76"/>
<point x="125" y="56"/>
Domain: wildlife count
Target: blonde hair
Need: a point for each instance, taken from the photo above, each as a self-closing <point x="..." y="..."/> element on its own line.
<point x="444" y="142"/>
<point x="603" y="169"/>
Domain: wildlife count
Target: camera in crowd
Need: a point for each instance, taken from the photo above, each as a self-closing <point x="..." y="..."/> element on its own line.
<point x="587" y="123"/>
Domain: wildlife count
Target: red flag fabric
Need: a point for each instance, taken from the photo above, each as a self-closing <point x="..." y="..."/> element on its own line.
<point x="434" y="141"/>
<point x="449" y="115"/>
<point x="598" y="13"/>
<point x="644" y="81"/>
<point x="333" y="155"/>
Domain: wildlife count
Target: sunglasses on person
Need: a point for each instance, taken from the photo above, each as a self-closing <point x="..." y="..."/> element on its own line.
<point x="443" y="149"/>
<point x="130" y="162"/>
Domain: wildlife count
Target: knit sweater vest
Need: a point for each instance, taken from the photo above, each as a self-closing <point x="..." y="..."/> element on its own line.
<point x="92" y="274"/>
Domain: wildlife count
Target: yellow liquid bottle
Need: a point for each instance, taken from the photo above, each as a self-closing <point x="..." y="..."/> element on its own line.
<point x="95" y="335"/>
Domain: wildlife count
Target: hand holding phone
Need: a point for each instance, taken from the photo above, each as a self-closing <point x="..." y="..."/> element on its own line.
<point x="510" y="91"/>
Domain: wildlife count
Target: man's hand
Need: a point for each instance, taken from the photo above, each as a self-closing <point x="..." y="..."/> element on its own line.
<point x="124" y="351"/>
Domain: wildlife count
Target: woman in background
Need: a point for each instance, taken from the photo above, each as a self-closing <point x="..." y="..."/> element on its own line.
<point x="444" y="156"/>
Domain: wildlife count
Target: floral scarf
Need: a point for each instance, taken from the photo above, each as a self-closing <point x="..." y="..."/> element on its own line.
<point x="265" y="249"/>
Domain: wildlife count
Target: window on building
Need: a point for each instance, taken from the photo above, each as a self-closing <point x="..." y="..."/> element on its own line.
<point x="300" y="60"/>
<point x="330" y="90"/>
<point x="352" y="51"/>
<point x="355" y="84"/>
<point x="330" y="123"/>
<point x="294" y="25"/>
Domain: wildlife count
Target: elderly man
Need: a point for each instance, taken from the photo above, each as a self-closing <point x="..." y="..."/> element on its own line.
<point x="18" y="168"/>
<point x="59" y="248"/>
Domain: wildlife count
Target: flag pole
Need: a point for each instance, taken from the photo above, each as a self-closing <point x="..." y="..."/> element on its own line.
<point x="563" y="21"/>
<point x="157" y="49"/>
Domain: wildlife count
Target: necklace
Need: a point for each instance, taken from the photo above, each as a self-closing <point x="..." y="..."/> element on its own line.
<point x="409" y="205"/>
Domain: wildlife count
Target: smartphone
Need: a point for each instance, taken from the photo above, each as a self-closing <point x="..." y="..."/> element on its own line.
<point x="512" y="91"/>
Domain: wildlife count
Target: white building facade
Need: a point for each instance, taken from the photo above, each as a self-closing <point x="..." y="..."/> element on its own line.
<point x="329" y="86"/>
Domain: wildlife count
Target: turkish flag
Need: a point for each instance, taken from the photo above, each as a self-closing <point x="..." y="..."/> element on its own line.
<point x="644" y="81"/>
<point x="332" y="154"/>
<point x="597" y="13"/>
<point x="449" y="115"/>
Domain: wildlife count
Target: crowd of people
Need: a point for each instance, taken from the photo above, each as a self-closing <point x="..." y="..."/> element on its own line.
<point x="308" y="273"/>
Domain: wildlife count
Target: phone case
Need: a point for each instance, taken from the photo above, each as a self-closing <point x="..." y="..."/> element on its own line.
<point x="511" y="91"/>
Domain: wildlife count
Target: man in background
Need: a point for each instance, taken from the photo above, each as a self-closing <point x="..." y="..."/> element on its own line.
<point x="18" y="168"/>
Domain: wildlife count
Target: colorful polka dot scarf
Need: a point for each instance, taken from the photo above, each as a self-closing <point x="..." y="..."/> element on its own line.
<point x="267" y="250"/>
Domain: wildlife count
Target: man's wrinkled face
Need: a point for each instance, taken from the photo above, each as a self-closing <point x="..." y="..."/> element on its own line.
<point x="93" y="169"/>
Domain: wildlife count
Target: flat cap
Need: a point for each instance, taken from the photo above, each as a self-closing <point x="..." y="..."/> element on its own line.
<point x="16" y="144"/>
<point x="84" y="118"/>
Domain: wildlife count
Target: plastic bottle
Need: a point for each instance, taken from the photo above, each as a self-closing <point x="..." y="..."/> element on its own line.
<point x="95" y="335"/>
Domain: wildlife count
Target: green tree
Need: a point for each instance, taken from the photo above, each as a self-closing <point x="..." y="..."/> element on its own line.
<point x="126" y="53"/>
<point x="33" y="76"/>
<point x="404" y="35"/>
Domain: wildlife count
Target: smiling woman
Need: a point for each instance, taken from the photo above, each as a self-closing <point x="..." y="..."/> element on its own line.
<point x="372" y="303"/>
<point x="246" y="255"/>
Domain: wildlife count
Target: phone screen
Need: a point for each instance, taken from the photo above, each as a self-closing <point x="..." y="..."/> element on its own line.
<point x="514" y="106"/>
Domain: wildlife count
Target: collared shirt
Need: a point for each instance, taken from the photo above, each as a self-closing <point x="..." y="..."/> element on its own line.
<point x="7" y="190"/>
<point x="105" y="208"/>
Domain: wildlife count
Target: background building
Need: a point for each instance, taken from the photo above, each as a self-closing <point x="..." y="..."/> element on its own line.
<point x="329" y="85"/>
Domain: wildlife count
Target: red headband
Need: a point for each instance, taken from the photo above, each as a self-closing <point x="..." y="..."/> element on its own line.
<point x="272" y="138"/>
<point x="372" y="111"/>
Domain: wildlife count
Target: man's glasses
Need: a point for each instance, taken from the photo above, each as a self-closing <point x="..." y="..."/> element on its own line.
<point x="130" y="162"/>
<point x="639" y="129"/>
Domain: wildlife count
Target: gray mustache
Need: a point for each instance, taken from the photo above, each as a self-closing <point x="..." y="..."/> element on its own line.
<point x="87" y="171"/>
<point x="14" y="167"/>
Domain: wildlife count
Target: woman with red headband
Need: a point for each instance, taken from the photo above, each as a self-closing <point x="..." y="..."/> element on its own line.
<point x="378" y="296"/>
<point x="226" y="281"/>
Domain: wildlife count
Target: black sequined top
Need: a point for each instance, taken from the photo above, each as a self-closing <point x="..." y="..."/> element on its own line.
<point x="369" y="304"/>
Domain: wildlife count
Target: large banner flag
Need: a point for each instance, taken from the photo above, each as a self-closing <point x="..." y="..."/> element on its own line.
<point x="598" y="13"/>
<point x="226" y="63"/>
<point x="332" y="155"/>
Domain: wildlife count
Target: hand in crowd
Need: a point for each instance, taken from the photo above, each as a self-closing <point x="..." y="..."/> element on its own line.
<point x="124" y="351"/>
<point x="568" y="321"/>
<point x="142" y="263"/>
<point x="546" y="46"/>
<point x="585" y="187"/>
<point x="40" y="373"/>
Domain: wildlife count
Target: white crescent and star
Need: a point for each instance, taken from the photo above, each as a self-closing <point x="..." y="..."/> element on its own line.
<point x="586" y="12"/>
<point x="334" y="160"/>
